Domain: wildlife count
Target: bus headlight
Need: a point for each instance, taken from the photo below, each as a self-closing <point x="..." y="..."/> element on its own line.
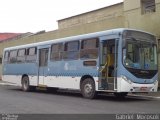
<point x="156" y="82"/>
<point x="126" y="79"/>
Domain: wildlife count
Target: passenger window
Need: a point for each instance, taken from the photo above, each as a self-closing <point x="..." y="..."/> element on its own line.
<point x="32" y="51"/>
<point x="56" y="52"/>
<point x="21" y="55"/>
<point x="21" y="52"/>
<point x="89" y="49"/>
<point x="31" y="54"/>
<point x="6" y="56"/>
<point x="13" y="56"/>
<point x="71" y="50"/>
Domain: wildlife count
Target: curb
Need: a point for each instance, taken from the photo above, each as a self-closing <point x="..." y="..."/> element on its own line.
<point x="147" y="96"/>
<point x="7" y="84"/>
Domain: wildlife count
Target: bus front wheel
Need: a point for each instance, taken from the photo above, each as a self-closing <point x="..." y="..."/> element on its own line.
<point x="25" y="84"/>
<point x="88" y="88"/>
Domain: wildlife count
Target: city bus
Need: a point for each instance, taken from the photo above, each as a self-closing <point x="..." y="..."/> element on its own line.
<point x="118" y="61"/>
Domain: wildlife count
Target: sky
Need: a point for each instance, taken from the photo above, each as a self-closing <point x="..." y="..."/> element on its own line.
<point x="20" y="16"/>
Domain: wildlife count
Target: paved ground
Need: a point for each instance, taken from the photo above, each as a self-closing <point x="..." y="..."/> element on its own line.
<point x="13" y="100"/>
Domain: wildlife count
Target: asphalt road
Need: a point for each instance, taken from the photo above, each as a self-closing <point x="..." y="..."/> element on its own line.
<point x="13" y="100"/>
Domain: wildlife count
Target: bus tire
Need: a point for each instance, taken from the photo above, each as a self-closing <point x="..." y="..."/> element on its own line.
<point x="88" y="88"/>
<point x="25" y="84"/>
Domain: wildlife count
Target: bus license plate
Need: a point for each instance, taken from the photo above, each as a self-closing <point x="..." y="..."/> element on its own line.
<point x="143" y="89"/>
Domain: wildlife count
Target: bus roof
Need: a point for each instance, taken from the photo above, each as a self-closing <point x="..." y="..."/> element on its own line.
<point x="78" y="37"/>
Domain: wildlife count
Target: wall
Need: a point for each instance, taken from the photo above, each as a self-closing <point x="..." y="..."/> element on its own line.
<point x="134" y="19"/>
<point x="92" y="16"/>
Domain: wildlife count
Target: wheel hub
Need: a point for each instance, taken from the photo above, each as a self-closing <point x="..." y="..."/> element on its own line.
<point x="88" y="88"/>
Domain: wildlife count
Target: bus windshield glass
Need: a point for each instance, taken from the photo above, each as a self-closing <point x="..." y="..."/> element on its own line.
<point x="139" y="51"/>
<point x="140" y="55"/>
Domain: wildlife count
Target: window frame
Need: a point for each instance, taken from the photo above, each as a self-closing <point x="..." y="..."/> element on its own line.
<point x="148" y="6"/>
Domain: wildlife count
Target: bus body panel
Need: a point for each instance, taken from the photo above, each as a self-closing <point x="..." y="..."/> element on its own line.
<point x="67" y="74"/>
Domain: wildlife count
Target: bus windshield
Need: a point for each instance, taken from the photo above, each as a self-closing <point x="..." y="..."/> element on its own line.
<point x="140" y="55"/>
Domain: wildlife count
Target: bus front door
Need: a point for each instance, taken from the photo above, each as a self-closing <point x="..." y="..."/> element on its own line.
<point x="108" y="64"/>
<point x="43" y="65"/>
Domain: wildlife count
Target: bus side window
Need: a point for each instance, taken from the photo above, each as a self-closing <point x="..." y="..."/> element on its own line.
<point x="6" y="56"/>
<point x="56" y="52"/>
<point x="31" y="54"/>
<point x="89" y="49"/>
<point x="21" y="55"/>
<point x="13" y="56"/>
<point x="71" y="50"/>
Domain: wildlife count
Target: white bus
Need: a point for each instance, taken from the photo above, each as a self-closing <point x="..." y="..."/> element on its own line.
<point x="119" y="61"/>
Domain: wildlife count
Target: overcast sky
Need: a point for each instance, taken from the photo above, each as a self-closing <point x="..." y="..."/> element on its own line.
<point x="36" y="15"/>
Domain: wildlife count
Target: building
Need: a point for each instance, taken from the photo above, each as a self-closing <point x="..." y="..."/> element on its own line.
<point x="5" y="36"/>
<point x="143" y="14"/>
<point x="137" y="14"/>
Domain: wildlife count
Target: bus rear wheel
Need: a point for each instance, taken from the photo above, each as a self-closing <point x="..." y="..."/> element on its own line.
<point x="25" y="84"/>
<point x="88" y="88"/>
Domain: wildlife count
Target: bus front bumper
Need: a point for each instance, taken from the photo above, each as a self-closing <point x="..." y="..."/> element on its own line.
<point x="124" y="85"/>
